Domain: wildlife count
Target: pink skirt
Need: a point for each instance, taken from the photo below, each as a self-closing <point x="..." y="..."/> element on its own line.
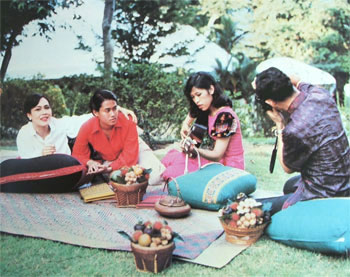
<point x="174" y="161"/>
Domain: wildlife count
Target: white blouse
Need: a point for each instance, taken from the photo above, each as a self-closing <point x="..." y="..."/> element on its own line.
<point x="30" y="144"/>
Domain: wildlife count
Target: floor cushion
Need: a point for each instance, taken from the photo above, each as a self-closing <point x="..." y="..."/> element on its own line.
<point x="46" y="174"/>
<point x="321" y="225"/>
<point x="212" y="186"/>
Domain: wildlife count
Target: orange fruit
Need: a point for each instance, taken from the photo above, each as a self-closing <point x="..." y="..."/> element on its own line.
<point x="145" y="240"/>
<point x="136" y="235"/>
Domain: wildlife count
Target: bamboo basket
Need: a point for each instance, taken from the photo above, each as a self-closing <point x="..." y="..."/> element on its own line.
<point x="152" y="259"/>
<point x="129" y="195"/>
<point x="245" y="236"/>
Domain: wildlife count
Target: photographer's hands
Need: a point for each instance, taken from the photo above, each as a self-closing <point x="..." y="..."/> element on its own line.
<point x="276" y="116"/>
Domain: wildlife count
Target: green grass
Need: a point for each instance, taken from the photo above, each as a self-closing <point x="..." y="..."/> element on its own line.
<point x="35" y="257"/>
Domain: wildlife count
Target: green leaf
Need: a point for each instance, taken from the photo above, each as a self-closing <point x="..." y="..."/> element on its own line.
<point x="115" y="174"/>
<point x="177" y="236"/>
<point x="120" y="180"/>
<point x="125" y="235"/>
<point x="147" y="171"/>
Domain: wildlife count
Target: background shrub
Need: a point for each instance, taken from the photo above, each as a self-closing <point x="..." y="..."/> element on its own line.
<point x="154" y="95"/>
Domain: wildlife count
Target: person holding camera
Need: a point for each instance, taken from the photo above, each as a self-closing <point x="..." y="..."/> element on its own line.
<point x="212" y="110"/>
<point x="311" y="138"/>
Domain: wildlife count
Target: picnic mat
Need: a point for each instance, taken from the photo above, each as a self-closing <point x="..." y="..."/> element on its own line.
<point x="66" y="218"/>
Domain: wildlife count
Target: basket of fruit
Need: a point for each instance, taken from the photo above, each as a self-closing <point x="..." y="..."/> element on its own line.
<point x="129" y="184"/>
<point x="152" y="245"/>
<point x="244" y="220"/>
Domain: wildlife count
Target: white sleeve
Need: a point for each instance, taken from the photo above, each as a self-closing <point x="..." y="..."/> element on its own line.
<point x="72" y="124"/>
<point x="25" y="146"/>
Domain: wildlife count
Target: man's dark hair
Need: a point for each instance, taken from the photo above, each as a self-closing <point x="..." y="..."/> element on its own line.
<point x="100" y="96"/>
<point x="273" y="84"/>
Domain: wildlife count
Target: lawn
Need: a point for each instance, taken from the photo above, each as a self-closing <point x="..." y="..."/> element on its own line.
<point x="35" y="257"/>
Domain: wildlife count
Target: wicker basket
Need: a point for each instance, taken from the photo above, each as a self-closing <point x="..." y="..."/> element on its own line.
<point x="153" y="259"/>
<point x="129" y="195"/>
<point x="246" y="236"/>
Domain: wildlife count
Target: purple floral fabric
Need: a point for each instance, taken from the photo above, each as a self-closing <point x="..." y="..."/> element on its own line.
<point x="315" y="144"/>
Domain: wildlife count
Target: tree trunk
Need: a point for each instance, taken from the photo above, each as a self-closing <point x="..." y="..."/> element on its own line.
<point x="7" y="57"/>
<point x="107" y="39"/>
<point x="341" y="78"/>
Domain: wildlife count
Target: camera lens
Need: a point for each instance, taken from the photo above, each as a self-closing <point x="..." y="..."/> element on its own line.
<point x="265" y="107"/>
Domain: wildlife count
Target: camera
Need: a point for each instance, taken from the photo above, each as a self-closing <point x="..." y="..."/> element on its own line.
<point x="265" y="107"/>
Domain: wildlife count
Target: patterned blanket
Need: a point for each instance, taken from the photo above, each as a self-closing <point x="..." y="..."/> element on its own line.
<point x="66" y="218"/>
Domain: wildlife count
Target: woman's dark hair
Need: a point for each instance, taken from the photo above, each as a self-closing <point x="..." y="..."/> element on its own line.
<point x="32" y="101"/>
<point x="273" y="84"/>
<point x="100" y="96"/>
<point x="204" y="80"/>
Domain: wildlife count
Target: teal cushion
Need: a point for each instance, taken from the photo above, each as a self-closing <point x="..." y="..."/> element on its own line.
<point x="211" y="186"/>
<point x="321" y="225"/>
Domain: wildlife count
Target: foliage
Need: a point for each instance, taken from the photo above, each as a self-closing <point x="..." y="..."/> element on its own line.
<point x="312" y="31"/>
<point x="12" y="100"/>
<point x="154" y="95"/>
<point x="275" y="27"/>
<point x="141" y="24"/>
<point x="237" y="75"/>
<point x="332" y="52"/>
<point x="16" y="14"/>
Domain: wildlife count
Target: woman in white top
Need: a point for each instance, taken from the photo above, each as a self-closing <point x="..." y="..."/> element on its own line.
<point x="44" y="134"/>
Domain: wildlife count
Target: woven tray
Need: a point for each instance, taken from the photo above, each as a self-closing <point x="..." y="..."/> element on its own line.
<point x="246" y="236"/>
<point x="153" y="259"/>
<point x="129" y="195"/>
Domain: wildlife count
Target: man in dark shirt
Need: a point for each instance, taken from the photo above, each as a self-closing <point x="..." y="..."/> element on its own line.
<point x="311" y="137"/>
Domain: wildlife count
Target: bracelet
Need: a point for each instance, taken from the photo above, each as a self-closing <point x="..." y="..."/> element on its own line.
<point x="278" y="132"/>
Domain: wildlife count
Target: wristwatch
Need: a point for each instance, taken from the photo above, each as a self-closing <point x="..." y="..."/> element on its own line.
<point x="278" y="132"/>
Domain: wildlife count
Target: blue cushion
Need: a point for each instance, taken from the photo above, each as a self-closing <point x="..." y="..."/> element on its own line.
<point x="321" y="225"/>
<point x="211" y="186"/>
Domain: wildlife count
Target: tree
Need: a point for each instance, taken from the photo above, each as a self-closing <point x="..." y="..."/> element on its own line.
<point x="107" y="39"/>
<point x="16" y="14"/>
<point x="237" y="74"/>
<point x="332" y="52"/>
<point x="311" y="31"/>
<point x="141" y="24"/>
